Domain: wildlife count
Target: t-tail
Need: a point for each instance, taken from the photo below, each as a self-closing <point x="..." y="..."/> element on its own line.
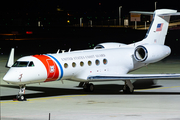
<point x="157" y="31"/>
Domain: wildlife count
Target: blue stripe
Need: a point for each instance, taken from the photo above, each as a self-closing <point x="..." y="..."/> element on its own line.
<point x="60" y="66"/>
<point x="134" y="77"/>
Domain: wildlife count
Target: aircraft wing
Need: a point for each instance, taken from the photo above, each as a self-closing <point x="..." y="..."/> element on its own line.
<point x="97" y="78"/>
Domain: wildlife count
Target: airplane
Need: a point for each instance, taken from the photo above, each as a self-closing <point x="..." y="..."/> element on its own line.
<point x="106" y="62"/>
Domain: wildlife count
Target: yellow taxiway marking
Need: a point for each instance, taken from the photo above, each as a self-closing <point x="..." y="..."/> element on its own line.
<point x="9" y="101"/>
<point x="158" y="88"/>
<point x="56" y="97"/>
<point x="30" y="100"/>
<point x="70" y="97"/>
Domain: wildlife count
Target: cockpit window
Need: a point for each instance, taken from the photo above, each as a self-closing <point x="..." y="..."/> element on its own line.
<point x="20" y="64"/>
<point x="31" y="64"/>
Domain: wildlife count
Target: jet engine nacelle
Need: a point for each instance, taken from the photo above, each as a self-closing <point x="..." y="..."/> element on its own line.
<point x="151" y="53"/>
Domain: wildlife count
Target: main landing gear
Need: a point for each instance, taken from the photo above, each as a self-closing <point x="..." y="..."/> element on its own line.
<point x="20" y="96"/>
<point x="81" y="84"/>
<point x="88" y="87"/>
<point x="128" y="87"/>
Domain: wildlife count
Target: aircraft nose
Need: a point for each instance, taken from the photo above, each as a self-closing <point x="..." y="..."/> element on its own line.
<point x="11" y="77"/>
<point x="7" y="78"/>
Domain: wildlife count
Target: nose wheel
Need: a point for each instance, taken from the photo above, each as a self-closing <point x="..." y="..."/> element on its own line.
<point x="20" y="96"/>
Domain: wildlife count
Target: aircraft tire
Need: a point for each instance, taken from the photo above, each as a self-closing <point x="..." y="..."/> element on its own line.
<point x="85" y="87"/>
<point x="17" y="96"/>
<point x="21" y="98"/>
<point x="88" y="87"/>
<point x="91" y="87"/>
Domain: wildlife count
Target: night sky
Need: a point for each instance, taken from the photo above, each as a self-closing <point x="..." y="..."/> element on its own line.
<point x="85" y="5"/>
<point x="94" y="8"/>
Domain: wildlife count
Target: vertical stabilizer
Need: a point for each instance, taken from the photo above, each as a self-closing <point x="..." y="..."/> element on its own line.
<point x="159" y="26"/>
<point x="158" y="30"/>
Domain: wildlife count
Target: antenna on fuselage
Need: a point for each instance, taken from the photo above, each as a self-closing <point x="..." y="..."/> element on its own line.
<point x="69" y="50"/>
<point x="63" y="51"/>
<point x="58" y="51"/>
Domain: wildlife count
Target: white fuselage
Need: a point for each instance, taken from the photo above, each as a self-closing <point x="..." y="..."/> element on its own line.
<point x="75" y="66"/>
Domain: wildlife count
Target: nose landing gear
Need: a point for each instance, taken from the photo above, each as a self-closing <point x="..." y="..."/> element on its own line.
<point x="20" y="96"/>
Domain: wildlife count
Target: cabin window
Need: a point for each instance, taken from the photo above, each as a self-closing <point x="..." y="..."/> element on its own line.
<point x="89" y="63"/>
<point x="74" y="64"/>
<point x="97" y="62"/>
<point x="104" y="61"/>
<point x="81" y="63"/>
<point x="20" y="64"/>
<point x="31" y="64"/>
<point x="65" y="65"/>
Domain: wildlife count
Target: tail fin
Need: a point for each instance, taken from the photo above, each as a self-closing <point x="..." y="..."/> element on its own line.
<point x="158" y="29"/>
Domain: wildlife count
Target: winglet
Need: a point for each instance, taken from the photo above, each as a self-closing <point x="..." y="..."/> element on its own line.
<point x="10" y="61"/>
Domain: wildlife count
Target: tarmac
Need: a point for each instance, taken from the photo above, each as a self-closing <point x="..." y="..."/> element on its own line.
<point x="152" y="100"/>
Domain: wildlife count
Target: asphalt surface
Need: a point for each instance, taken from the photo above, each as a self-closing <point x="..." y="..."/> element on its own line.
<point x="152" y="100"/>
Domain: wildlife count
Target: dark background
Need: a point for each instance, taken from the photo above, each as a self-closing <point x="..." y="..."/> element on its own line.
<point x="22" y="16"/>
<point x="83" y="6"/>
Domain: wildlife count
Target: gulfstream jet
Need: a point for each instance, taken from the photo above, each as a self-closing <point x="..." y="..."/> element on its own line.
<point x="106" y="62"/>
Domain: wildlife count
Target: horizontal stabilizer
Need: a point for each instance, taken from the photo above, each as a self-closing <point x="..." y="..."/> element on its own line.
<point x="161" y="12"/>
<point x="169" y="14"/>
<point x="141" y="12"/>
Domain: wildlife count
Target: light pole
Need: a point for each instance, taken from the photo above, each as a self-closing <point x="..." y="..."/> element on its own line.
<point x="155" y="5"/>
<point x="120" y="15"/>
<point x="80" y="22"/>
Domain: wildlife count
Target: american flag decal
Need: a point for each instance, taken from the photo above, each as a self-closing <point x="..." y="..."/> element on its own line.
<point x="159" y="27"/>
